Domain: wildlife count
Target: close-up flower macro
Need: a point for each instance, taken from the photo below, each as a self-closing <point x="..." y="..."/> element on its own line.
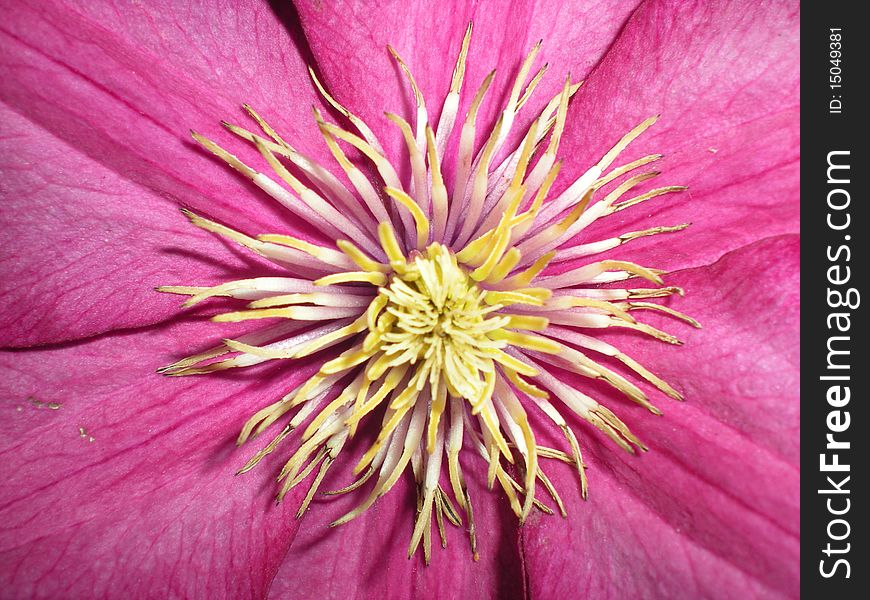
<point x="400" y="299"/>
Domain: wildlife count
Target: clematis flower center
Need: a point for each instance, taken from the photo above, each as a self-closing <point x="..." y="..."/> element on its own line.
<point x="440" y="323"/>
<point x="436" y="318"/>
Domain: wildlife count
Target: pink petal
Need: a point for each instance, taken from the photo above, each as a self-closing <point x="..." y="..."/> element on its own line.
<point x="728" y="126"/>
<point x="84" y="247"/>
<point x="150" y="506"/>
<point x="349" y="43"/>
<point x="367" y="558"/>
<point x="124" y="83"/>
<point x="105" y="94"/>
<point x="712" y="510"/>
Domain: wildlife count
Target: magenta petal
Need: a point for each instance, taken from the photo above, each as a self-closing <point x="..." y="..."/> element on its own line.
<point x="84" y="247"/>
<point x="749" y="306"/>
<point x="367" y="558"/>
<point x="712" y="510"/>
<point x="126" y="489"/>
<point x="125" y="82"/>
<point x="748" y="189"/>
<point x="349" y="44"/>
<point x="98" y="100"/>
<point x="728" y="126"/>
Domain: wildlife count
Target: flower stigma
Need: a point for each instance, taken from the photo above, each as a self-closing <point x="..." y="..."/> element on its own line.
<point x="440" y="318"/>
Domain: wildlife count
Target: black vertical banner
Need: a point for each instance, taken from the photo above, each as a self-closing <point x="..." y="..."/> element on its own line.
<point x="834" y="257"/>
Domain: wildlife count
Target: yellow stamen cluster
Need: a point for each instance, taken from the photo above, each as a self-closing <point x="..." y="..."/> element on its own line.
<point x="439" y="318"/>
<point x="434" y="315"/>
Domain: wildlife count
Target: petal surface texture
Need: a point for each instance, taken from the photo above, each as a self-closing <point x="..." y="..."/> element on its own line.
<point x="713" y="507"/>
<point x="729" y="125"/>
<point x="105" y="93"/>
<point x="122" y="482"/>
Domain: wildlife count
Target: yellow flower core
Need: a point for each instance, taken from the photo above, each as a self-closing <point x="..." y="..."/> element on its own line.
<point x="435" y="318"/>
<point x="435" y="312"/>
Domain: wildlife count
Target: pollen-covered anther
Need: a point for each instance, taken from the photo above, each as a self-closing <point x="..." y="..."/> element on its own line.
<point x="442" y="321"/>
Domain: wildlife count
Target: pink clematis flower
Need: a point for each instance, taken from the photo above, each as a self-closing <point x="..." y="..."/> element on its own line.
<point x="118" y="482"/>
